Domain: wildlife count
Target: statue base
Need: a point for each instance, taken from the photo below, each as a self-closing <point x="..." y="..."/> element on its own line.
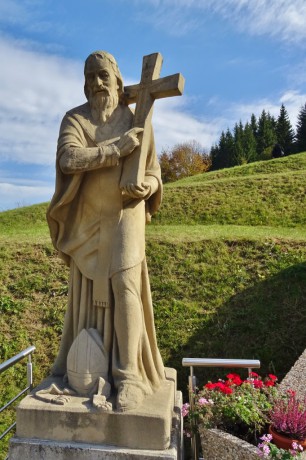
<point x="80" y="431"/>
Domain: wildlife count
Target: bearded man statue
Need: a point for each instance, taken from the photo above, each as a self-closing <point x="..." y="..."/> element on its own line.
<point x="99" y="231"/>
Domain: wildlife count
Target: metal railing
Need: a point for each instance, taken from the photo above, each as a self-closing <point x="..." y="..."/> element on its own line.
<point x="6" y="365"/>
<point x="208" y="362"/>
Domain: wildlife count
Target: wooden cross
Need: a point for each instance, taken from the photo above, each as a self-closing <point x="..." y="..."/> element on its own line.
<point x="151" y="87"/>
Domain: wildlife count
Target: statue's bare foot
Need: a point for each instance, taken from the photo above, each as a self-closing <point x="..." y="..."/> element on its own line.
<point x="129" y="397"/>
<point x="61" y="400"/>
<point x="100" y="402"/>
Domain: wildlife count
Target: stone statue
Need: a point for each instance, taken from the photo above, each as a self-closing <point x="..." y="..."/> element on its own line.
<point x="97" y="223"/>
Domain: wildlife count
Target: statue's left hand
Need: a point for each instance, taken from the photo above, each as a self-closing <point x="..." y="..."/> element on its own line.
<point x="138" y="191"/>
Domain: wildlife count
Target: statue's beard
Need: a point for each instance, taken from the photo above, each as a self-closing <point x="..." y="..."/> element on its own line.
<point x="102" y="105"/>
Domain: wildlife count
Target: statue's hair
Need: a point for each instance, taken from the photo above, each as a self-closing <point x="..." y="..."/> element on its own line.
<point x="104" y="55"/>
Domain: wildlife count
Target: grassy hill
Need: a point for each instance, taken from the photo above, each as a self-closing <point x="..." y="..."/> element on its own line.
<point x="227" y="262"/>
<point x="269" y="193"/>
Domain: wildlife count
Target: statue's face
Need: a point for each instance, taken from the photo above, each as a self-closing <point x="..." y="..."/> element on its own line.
<point x="100" y="79"/>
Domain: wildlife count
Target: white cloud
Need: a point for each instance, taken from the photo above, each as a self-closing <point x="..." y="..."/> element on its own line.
<point x="277" y="18"/>
<point x="173" y="124"/>
<point x="293" y="100"/>
<point x="13" y="196"/>
<point x="13" y="12"/>
<point x="35" y="91"/>
<point x="281" y="19"/>
<point x="28" y="15"/>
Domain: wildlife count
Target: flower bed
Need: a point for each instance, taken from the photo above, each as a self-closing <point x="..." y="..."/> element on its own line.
<point x="231" y="414"/>
<point x="236" y="406"/>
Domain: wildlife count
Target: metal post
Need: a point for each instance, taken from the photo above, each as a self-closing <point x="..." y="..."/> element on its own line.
<point x="191" y="391"/>
<point x="30" y="374"/>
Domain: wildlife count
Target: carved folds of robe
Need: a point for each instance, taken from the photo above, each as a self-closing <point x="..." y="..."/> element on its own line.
<point x="100" y="233"/>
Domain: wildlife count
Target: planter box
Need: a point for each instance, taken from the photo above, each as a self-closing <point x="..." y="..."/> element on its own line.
<point x="218" y="445"/>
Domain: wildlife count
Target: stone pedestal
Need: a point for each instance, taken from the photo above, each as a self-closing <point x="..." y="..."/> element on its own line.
<point x="77" y="430"/>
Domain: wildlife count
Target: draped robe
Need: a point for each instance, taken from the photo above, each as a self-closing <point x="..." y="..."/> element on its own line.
<point x="100" y="232"/>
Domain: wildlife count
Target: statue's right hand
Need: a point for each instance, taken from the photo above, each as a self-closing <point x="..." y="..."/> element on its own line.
<point x="129" y="141"/>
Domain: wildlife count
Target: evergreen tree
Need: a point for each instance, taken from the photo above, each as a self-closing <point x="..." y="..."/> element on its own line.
<point x="301" y="130"/>
<point x="238" y="157"/>
<point x="284" y="131"/>
<point x="254" y="125"/>
<point x="229" y="148"/>
<point x="272" y="121"/>
<point x="222" y="155"/>
<point x="266" y="136"/>
<point x="214" y="153"/>
<point x="249" y="144"/>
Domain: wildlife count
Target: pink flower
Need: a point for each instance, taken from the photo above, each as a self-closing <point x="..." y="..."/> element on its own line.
<point x="185" y="409"/>
<point x="297" y="446"/>
<point x="203" y="401"/>
<point x="266" y="437"/>
<point x="291" y="392"/>
<point x="263" y="450"/>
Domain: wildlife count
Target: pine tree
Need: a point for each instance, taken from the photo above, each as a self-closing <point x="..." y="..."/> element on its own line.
<point x="284" y="131"/>
<point x="254" y="125"/>
<point x="238" y="158"/>
<point x="222" y="155"/>
<point x="266" y="136"/>
<point x="301" y="130"/>
<point x="214" y="153"/>
<point x="249" y="144"/>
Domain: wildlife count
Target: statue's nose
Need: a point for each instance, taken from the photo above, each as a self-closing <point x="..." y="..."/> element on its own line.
<point x="98" y="81"/>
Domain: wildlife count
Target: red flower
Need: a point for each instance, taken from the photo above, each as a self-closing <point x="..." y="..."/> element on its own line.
<point x="237" y="380"/>
<point x="226" y="390"/>
<point x="253" y="374"/>
<point x="269" y="383"/>
<point x="220" y="385"/>
<point x="234" y="379"/>
<point x="232" y="376"/>
<point x="257" y="383"/>
<point x="210" y="386"/>
<point x="273" y="377"/>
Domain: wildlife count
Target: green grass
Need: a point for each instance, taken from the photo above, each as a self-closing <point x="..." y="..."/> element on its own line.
<point x="269" y="200"/>
<point x="28" y="221"/>
<point x="193" y="233"/>
<point x="227" y="263"/>
<point x="279" y="165"/>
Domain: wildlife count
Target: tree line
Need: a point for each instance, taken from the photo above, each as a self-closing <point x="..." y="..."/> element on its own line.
<point x="259" y="139"/>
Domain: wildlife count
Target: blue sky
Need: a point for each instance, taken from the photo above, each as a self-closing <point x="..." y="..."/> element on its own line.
<point x="238" y="57"/>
